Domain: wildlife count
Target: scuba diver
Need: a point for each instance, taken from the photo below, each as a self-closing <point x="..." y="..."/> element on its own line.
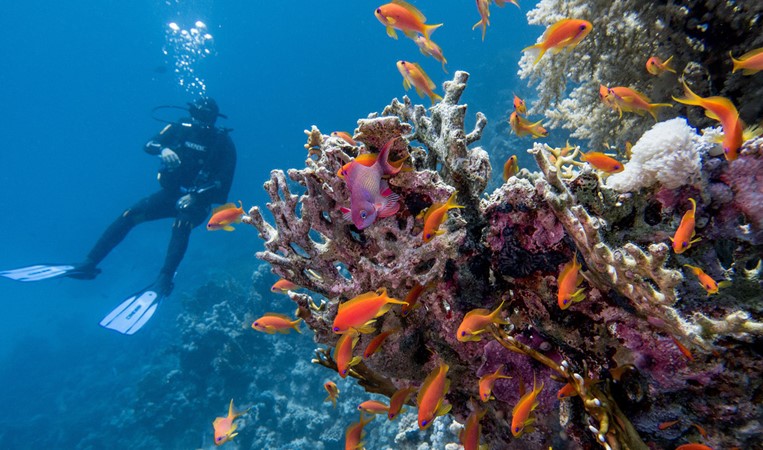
<point x="198" y="160"/>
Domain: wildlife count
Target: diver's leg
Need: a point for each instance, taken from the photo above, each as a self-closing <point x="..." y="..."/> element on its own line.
<point x="181" y="232"/>
<point x="150" y="208"/>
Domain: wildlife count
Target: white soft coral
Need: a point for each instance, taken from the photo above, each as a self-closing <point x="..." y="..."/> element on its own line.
<point x="668" y="154"/>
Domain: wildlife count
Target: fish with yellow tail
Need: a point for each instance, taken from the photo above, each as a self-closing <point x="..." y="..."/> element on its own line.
<point x="333" y="391"/>
<point x="283" y="286"/>
<point x="436" y="215"/>
<point x="510" y="168"/>
<point x="487" y="382"/>
<point x="602" y="162"/>
<point x="750" y="63"/>
<point x="657" y="66"/>
<point x="400" y="15"/>
<point x="225" y="428"/>
<point x="343" y="353"/>
<point x="431" y="396"/>
<point x="398" y="399"/>
<point x="520" y="415"/>
<point x="566" y="33"/>
<point x="722" y="110"/>
<point x="477" y="322"/>
<point x="710" y="285"/>
<point x="272" y="323"/>
<point x="684" y="236"/>
<point x="373" y="407"/>
<point x="569" y="280"/>
<point x="353" y="436"/>
<point x="470" y="435"/>
<point x="427" y="47"/>
<point x="360" y="313"/>
<point x="225" y="215"/>
<point x="414" y="75"/>
<point x="623" y="98"/>
<point x="523" y="127"/>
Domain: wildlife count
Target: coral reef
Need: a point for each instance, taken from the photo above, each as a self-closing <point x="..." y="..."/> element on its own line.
<point x="699" y="34"/>
<point x="616" y="349"/>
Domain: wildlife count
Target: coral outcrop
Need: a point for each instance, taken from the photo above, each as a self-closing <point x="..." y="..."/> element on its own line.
<point x="620" y="349"/>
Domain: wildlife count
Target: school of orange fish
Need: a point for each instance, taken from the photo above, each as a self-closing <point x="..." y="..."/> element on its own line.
<point x="371" y="199"/>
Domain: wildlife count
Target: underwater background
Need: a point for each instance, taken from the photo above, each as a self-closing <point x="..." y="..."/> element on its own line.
<point x="79" y="81"/>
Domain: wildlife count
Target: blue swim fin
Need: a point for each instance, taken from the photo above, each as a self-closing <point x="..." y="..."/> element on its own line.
<point x="133" y="313"/>
<point x="39" y="272"/>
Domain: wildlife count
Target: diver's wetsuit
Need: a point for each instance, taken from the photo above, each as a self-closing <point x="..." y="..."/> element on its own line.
<point x="207" y="163"/>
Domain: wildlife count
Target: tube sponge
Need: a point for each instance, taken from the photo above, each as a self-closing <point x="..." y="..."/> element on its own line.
<point x="668" y="154"/>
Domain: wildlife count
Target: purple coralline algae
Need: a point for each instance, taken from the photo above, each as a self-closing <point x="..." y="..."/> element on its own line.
<point x="647" y="345"/>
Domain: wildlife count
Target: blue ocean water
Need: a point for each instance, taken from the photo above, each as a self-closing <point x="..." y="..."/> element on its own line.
<point x="79" y="80"/>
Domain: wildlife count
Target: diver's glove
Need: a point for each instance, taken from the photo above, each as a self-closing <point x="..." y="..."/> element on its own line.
<point x="169" y="158"/>
<point x="185" y="202"/>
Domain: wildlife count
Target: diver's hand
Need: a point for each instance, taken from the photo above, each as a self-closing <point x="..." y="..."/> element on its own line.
<point x="169" y="158"/>
<point x="185" y="202"/>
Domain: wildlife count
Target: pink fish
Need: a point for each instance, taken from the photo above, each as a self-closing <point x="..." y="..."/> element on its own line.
<point x="370" y="196"/>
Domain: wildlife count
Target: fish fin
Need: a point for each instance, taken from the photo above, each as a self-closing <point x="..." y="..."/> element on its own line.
<point x="223" y="208"/>
<point x="724" y="284"/>
<point x="406" y="83"/>
<point x="429" y="29"/>
<point x="391" y="31"/>
<point x="749" y="71"/>
<point x="346" y="213"/>
<point x="354" y="361"/>
<point x="410" y="34"/>
<point x="751" y="132"/>
<point x="228" y="228"/>
<point x="390" y="207"/>
<point x="420" y="92"/>
<point x="411" y="9"/>
<point x="444" y="409"/>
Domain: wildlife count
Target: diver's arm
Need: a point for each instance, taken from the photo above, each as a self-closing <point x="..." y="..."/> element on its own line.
<point x="167" y="138"/>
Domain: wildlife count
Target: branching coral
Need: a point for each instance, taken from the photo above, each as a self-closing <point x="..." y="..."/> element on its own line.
<point x="506" y="247"/>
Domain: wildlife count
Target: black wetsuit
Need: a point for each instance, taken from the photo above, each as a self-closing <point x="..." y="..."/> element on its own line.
<point x="207" y="163"/>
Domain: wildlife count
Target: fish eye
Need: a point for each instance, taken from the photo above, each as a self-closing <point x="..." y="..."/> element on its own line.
<point x="582" y="27"/>
<point x="344" y="372"/>
<point x="256" y="324"/>
<point x="220" y="438"/>
<point x="429" y="235"/>
<point x="726" y="150"/>
<point x="360" y="408"/>
<point x="684" y="244"/>
<point x="617" y="166"/>
<point x="378" y="10"/>
<point x="565" y="301"/>
<point x="363" y="215"/>
<point x="516" y="429"/>
<point x="463" y="333"/>
<point x="424" y="423"/>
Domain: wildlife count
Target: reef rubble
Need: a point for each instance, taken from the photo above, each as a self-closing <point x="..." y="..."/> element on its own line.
<point x="646" y="345"/>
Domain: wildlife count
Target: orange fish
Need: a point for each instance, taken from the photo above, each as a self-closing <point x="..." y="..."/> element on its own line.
<point x="722" y="110"/>
<point x="684" y="236"/>
<point x="681" y="348"/>
<point x="376" y="342"/>
<point x="345" y="136"/>
<point x="476" y="322"/>
<point x="283" y="286"/>
<point x="710" y="285"/>
<point x="343" y="353"/>
<point x="436" y="215"/>
<point x="225" y="429"/>
<point x="487" y="381"/>
<point x="626" y="99"/>
<point x="398" y="399"/>
<point x="567" y="33"/>
<point x="568" y="390"/>
<point x="404" y="17"/>
<point x="483" y="6"/>
<point x="700" y="430"/>
<point x="431" y="395"/>
<point x="333" y="392"/>
<point x="353" y="437"/>
<point x="373" y="407"/>
<point x="411" y="300"/>
<point x="361" y="312"/>
<point x="427" y="47"/>
<point x="657" y="66"/>
<point x="523" y="127"/>
<point x="521" y="412"/>
<point x="602" y="162"/>
<point x="470" y="435"/>
<point x="569" y="280"/>
<point x="693" y="447"/>
<point x="749" y="63"/>
<point x="414" y="75"/>
<point x="666" y="425"/>
<point x="273" y="322"/>
<point x="519" y="105"/>
<point x="223" y="216"/>
<point x="510" y="168"/>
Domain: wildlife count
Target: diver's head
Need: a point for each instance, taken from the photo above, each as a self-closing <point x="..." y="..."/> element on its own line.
<point x="205" y="111"/>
